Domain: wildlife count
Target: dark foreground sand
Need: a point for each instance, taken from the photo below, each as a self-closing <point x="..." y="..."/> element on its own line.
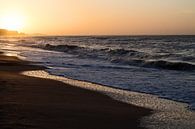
<point x="34" y="103"/>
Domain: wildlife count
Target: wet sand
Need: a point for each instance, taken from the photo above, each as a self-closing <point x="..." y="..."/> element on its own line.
<point x="35" y="103"/>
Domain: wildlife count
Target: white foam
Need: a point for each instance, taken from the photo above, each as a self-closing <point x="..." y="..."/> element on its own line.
<point x="167" y="114"/>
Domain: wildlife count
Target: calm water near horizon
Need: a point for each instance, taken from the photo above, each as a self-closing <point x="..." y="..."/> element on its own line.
<point x="159" y="65"/>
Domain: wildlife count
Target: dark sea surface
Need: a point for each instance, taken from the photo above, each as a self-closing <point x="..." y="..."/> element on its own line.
<point x="159" y="65"/>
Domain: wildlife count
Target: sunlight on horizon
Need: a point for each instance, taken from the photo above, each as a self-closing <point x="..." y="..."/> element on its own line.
<point x="12" y="21"/>
<point x="99" y="17"/>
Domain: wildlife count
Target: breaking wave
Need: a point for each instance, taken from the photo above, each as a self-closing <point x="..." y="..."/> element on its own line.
<point x="122" y="56"/>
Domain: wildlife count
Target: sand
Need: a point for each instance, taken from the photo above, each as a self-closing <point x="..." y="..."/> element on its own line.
<point x="35" y="103"/>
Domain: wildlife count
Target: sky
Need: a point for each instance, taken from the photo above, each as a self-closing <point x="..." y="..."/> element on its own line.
<point x="101" y="17"/>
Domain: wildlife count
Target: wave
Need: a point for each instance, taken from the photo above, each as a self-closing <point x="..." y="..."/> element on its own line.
<point x="122" y="56"/>
<point x="170" y="65"/>
<point x="162" y="64"/>
<point x="105" y="53"/>
<point x="61" y="47"/>
<point x="4" y="41"/>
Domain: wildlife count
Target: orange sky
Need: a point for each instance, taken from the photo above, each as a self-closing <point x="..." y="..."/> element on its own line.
<point x="103" y="17"/>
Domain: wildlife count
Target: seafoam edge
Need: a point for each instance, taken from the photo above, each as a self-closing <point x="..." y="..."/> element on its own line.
<point x="167" y="114"/>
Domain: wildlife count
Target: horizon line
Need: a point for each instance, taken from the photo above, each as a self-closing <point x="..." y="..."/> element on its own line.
<point x="41" y="34"/>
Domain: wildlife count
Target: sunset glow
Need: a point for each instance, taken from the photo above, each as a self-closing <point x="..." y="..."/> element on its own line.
<point x="12" y="21"/>
<point x="99" y="17"/>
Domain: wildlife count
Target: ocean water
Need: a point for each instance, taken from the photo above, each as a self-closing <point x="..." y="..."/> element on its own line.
<point x="157" y="65"/>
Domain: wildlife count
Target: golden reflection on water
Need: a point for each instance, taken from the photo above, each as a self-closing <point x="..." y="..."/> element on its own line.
<point x="14" y="54"/>
<point x="11" y="54"/>
<point x="9" y="46"/>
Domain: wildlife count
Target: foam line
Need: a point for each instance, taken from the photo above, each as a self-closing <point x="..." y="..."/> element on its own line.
<point x="167" y="114"/>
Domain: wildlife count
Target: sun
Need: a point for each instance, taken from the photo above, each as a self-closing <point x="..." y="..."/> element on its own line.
<point x="12" y="22"/>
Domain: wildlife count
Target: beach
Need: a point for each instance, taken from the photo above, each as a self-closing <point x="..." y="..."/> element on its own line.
<point x="35" y="103"/>
<point x="97" y="64"/>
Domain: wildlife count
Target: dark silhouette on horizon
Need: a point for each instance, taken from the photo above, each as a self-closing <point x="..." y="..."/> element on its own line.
<point x="4" y="32"/>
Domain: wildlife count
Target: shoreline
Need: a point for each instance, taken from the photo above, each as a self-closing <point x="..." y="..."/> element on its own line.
<point x="46" y="73"/>
<point x="24" y="103"/>
<point x="165" y="113"/>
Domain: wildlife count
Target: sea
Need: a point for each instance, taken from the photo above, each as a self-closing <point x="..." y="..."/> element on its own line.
<point x="163" y="66"/>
